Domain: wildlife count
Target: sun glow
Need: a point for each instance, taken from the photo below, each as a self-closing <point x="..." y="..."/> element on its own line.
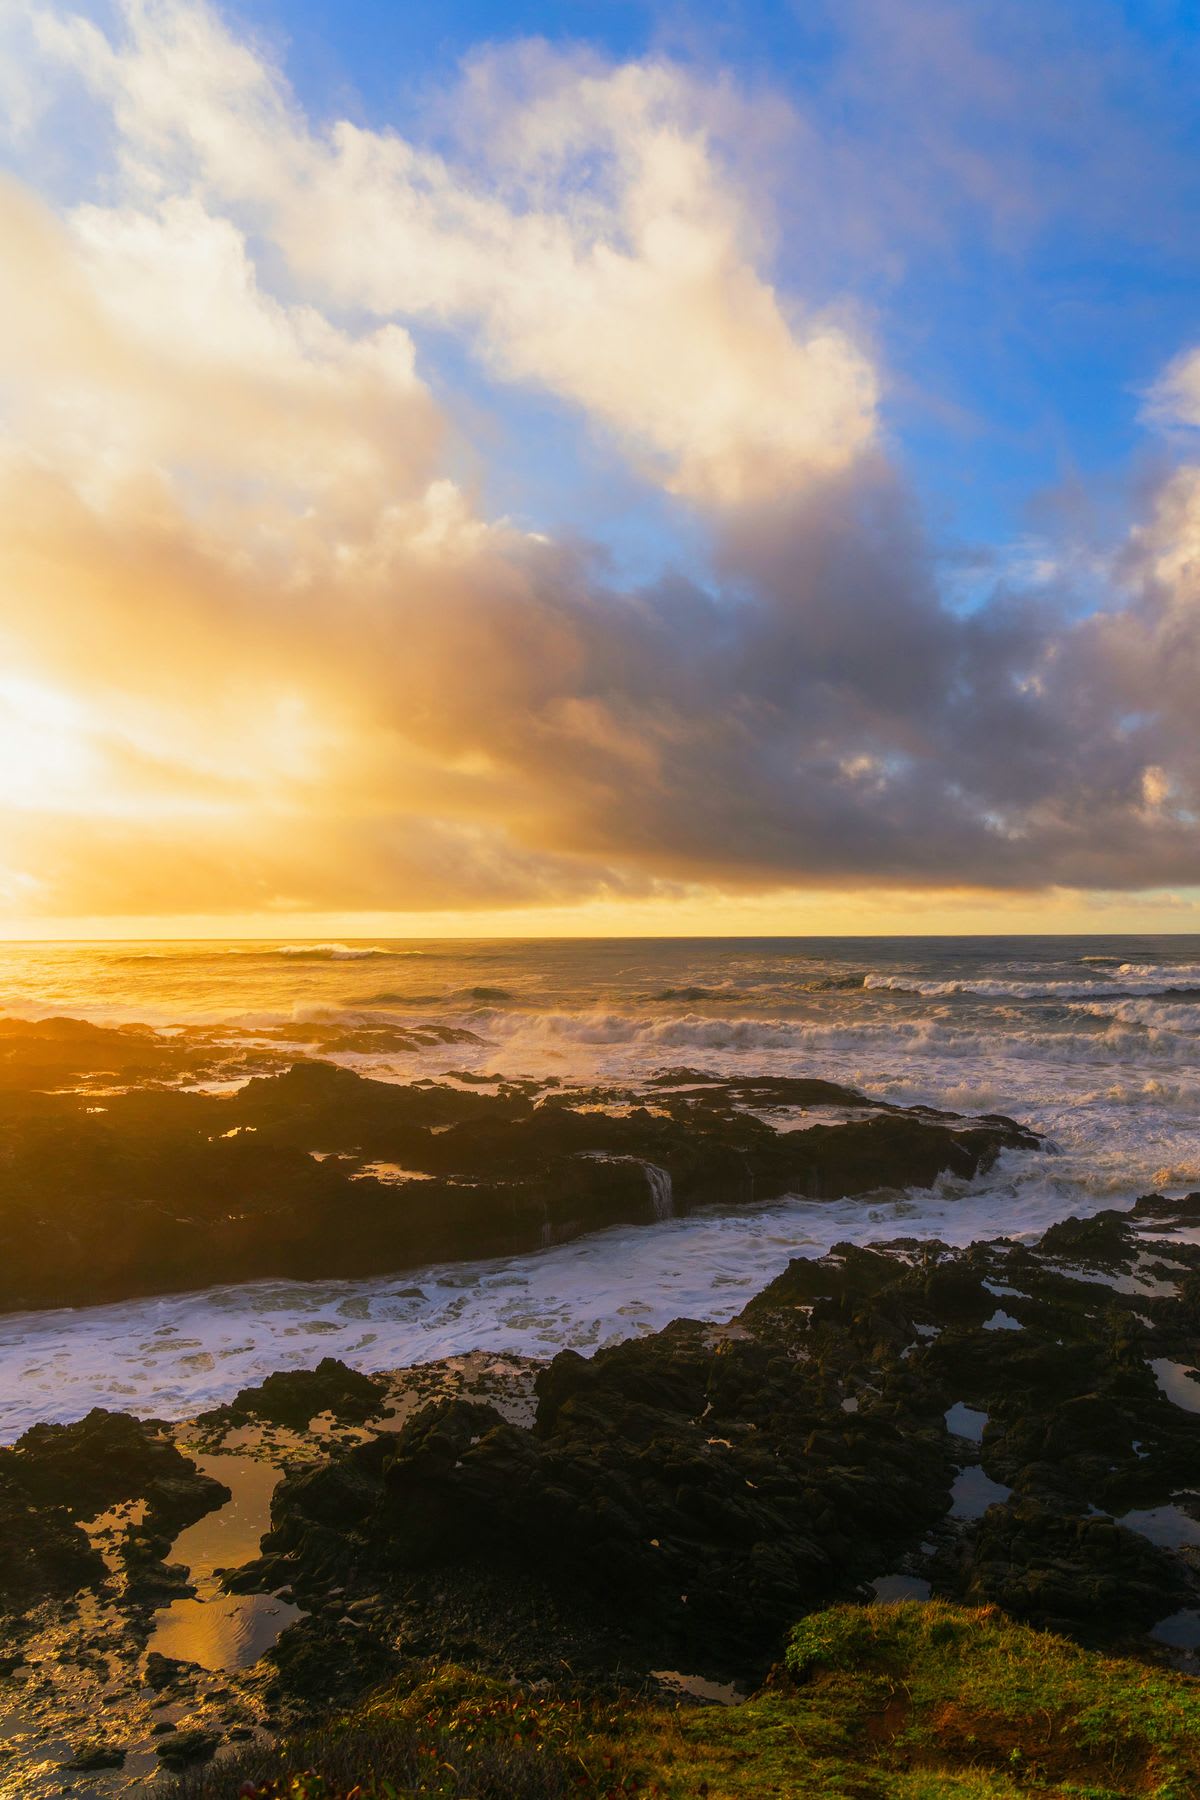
<point x="304" y="613"/>
<point x="46" y="760"/>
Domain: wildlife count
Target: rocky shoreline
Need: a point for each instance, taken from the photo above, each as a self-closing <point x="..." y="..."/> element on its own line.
<point x="159" y="1163"/>
<point x="1012" y="1424"/>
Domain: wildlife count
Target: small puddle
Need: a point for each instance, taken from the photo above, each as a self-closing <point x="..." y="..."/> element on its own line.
<point x="231" y="1534"/>
<point x="973" y="1492"/>
<point x="21" y="1731"/>
<point x="892" y="1588"/>
<point x="697" y="1687"/>
<point x="1169" y="1232"/>
<point x="1178" y="1382"/>
<point x="1002" y="1321"/>
<point x="217" y="1630"/>
<point x="1143" y="1279"/>
<point x="226" y="1632"/>
<point x="965" y="1422"/>
<point x="107" y="1529"/>
<point x="390" y="1174"/>
<point x="1168" y="1526"/>
<point x="1181" y="1631"/>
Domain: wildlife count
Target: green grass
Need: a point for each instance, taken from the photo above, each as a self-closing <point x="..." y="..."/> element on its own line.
<point x="909" y="1702"/>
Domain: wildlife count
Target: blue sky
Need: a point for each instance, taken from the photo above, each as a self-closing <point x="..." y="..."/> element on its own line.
<point x="1019" y="330"/>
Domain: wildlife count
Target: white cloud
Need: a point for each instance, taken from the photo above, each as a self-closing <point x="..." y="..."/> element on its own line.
<point x="603" y="252"/>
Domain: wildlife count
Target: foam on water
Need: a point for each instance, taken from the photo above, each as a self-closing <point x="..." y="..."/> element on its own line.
<point x="1094" y="1043"/>
<point x="178" y="1354"/>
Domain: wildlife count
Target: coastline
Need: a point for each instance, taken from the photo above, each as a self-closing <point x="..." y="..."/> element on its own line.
<point x="1051" y="1380"/>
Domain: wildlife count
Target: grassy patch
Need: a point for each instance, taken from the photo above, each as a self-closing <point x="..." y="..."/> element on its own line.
<point x="910" y="1702"/>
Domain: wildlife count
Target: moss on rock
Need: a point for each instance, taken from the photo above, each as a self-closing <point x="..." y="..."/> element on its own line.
<point x="907" y="1702"/>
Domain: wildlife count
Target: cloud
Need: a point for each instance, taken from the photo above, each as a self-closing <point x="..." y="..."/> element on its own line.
<point x="595" y="245"/>
<point x="142" y="335"/>
<point x="1174" y="399"/>
<point x="260" y="649"/>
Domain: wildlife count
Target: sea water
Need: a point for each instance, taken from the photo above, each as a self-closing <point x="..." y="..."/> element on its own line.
<point x="1094" y="1042"/>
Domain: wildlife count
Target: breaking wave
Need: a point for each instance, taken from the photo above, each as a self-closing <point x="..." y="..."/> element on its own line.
<point x="1128" y="981"/>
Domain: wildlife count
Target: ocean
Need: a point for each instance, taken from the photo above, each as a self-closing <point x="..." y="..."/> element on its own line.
<point x="1094" y="1042"/>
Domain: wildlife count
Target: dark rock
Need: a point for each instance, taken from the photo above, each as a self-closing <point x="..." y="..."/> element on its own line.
<point x="96" y="1756"/>
<point x="185" y="1747"/>
<point x="108" y="1457"/>
<point x="56" y="1475"/>
<point x="703" y="1486"/>
<point x="508" y="1172"/>
<point x="42" y="1551"/>
<point x="673" y="1494"/>
<point x="294" y="1396"/>
<point x="1069" y="1572"/>
<point x="1100" y="1242"/>
<point x="320" y="1663"/>
<point x="158" y="1584"/>
<point x="162" y="1671"/>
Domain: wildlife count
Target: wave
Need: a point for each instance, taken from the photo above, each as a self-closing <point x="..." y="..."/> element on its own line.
<point x="1147" y="1010"/>
<point x="1136" y="982"/>
<point x="864" y="1049"/>
<point x="1173" y="972"/>
<point x="988" y="988"/>
<point x="691" y="995"/>
<point x="150" y="956"/>
<point x="338" y="952"/>
<point x="599" y="1290"/>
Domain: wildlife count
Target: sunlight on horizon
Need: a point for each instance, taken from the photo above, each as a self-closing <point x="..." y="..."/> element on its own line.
<point x="329" y="442"/>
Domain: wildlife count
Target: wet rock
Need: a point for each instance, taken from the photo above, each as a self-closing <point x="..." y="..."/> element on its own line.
<point x="1069" y="1572"/>
<point x="680" y="1500"/>
<point x="505" y="1172"/>
<point x="163" y="1671"/>
<point x="319" y="1663"/>
<point x="96" y="1755"/>
<point x="108" y="1457"/>
<point x="46" y="1053"/>
<point x="1157" y="1210"/>
<point x="1102" y="1241"/>
<point x="57" y="1475"/>
<point x="182" y="1748"/>
<point x="673" y="1495"/>
<point x="157" y="1584"/>
<point x="702" y="1486"/>
<point x="42" y="1551"/>
<point x="294" y="1396"/>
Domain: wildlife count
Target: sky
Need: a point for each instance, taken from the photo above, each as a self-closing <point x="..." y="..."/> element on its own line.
<point x="599" y="467"/>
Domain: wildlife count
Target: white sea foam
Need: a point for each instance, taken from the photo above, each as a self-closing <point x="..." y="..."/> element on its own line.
<point x="174" y="1355"/>
<point x="1126" y="980"/>
<point x="1096" y="1045"/>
